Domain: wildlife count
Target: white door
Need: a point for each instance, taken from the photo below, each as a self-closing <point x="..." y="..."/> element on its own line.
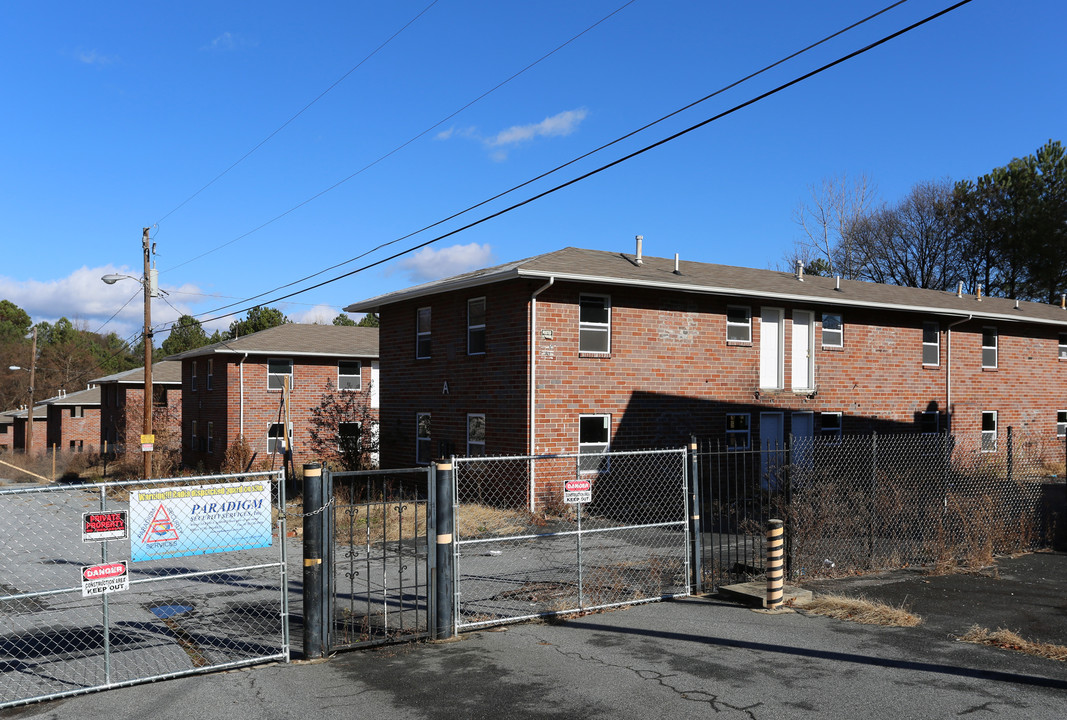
<point x="770" y="348"/>
<point x="802" y="431"/>
<point x="770" y="442"/>
<point x="802" y="350"/>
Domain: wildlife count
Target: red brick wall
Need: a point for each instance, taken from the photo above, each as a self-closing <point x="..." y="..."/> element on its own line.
<point x="63" y="429"/>
<point x="122" y="415"/>
<point x="222" y="405"/>
<point x="671" y="372"/>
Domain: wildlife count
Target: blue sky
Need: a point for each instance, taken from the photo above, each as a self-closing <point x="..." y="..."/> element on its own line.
<point x="115" y="116"/>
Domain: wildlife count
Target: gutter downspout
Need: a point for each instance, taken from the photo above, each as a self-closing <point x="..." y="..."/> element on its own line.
<point x="948" y="370"/>
<point x="533" y="381"/>
<point x="241" y="366"/>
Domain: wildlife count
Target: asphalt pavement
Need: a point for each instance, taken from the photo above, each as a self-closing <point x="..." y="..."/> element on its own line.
<point x="685" y="658"/>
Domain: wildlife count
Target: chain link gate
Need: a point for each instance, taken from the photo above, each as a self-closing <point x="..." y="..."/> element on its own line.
<point x="544" y="535"/>
<point x="198" y="585"/>
<point x="380" y="548"/>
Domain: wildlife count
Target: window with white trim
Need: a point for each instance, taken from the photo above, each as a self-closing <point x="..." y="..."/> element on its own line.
<point x="1063" y="346"/>
<point x="192" y="374"/>
<point x="349" y="375"/>
<point x="738" y="323"/>
<point x="77" y="411"/>
<point x="276" y="440"/>
<point x="210" y="373"/>
<point x="350" y="438"/>
<point x="833" y="333"/>
<point x="423" y="449"/>
<point x="423" y="339"/>
<point x="594" y="323"/>
<point x="476" y="326"/>
<point x="989" y="431"/>
<point x="1061" y="423"/>
<point x="931" y="344"/>
<point x="210" y="433"/>
<point x="830" y="425"/>
<point x="738" y="431"/>
<point x="594" y="433"/>
<point x="277" y="370"/>
<point x="475" y="435"/>
<point x="930" y="422"/>
<point x="989" y="347"/>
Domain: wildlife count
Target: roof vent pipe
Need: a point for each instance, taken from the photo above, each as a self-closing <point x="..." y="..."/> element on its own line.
<point x="838" y="285"/>
<point x="1063" y="302"/>
<point x="979" y="296"/>
<point x="800" y="271"/>
<point x="640" y="239"/>
<point x="1016" y="303"/>
<point x="959" y="290"/>
<point x="676" y="270"/>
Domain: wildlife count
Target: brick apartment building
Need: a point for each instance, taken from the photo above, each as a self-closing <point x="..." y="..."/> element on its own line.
<point x="14" y="437"/>
<point x="234" y="388"/>
<point x="122" y="406"/>
<point x="73" y="421"/>
<point x="582" y="350"/>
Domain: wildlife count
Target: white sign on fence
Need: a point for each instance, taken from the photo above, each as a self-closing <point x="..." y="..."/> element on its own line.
<point x="105" y="578"/>
<point x="577" y="491"/>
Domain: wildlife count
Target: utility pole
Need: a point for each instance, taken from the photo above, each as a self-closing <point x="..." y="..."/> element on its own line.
<point x="29" y="415"/>
<point x="148" y="291"/>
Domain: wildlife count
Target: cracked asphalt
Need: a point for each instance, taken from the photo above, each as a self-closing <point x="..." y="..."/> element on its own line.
<point x="686" y="658"/>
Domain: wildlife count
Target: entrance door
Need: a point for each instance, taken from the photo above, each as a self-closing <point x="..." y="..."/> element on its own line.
<point x="771" y="448"/>
<point x="770" y="347"/>
<point x="802" y="431"/>
<point x="802" y="351"/>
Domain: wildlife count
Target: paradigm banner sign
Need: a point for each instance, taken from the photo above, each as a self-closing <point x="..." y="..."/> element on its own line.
<point x="199" y="519"/>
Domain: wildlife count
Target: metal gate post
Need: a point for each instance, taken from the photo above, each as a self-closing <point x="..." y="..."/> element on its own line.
<point x="697" y="532"/>
<point x="313" y="554"/>
<point x="443" y="599"/>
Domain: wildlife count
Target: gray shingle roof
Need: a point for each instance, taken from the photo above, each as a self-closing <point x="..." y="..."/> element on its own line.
<point x="295" y="339"/>
<point x="619" y="269"/>
<point x="164" y="372"/>
<point x="82" y="397"/>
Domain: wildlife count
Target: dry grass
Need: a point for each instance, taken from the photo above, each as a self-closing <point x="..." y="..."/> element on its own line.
<point x="861" y="610"/>
<point x="481" y="521"/>
<point x="1011" y="641"/>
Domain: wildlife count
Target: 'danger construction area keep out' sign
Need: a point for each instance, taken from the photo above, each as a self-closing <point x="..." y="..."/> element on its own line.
<point x="199" y="519"/>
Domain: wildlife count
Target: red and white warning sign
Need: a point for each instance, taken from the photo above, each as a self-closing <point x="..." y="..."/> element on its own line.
<point x="105" y="578"/>
<point x="111" y="525"/>
<point x="577" y="491"/>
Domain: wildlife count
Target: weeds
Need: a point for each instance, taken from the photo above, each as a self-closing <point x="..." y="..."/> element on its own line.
<point x="1012" y="641"/>
<point x="862" y="610"/>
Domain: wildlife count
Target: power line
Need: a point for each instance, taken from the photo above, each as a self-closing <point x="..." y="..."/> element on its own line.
<point x="566" y="164"/>
<point x="281" y="127"/>
<point x="403" y="145"/>
<point x="623" y="159"/>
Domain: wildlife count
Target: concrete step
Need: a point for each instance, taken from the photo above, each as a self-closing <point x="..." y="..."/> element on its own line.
<point x="754" y="594"/>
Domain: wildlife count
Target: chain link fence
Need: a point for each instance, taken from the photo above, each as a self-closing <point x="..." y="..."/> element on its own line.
<point x="858" y="504"/>
<point x="542" y="535"/>
<point x="105" y="585"/>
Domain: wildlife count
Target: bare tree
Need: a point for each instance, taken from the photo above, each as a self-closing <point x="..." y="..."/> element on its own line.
<point x="827" y="220"/>
<point x="343" y="429"/>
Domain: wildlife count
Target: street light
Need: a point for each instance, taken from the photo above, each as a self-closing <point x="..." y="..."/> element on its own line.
<point x="150" y="286"/>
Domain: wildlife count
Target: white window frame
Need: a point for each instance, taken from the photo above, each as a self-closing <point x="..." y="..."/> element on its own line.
<point x="989" y="437"/>
<point x="592" y="465"/>
<point x="475" y="447"/>
<point x="192" y="375"/>
<point x="273" y="440"/>
<point x="341" y="436"/>
<point x="745" y="327"/>
<point x="587" y="326"/>
<point x="839" y="332"/>
<point x="421" y="335"/>
<point x="476" y="329"/>
<point x="936" y="344"/>
<point x="994" y="347"/>
<point x="937" y="422"/>
<point x="1061" y="423"/>
<point x="279" y="375"/>
<point x="358" y="375"/>
<point x="210" y="435"/>
<point x="1062" y="354"/>
<point x="746" y="432"/>
<point x="209" y="385"/>
<point x="835" y="433"/>
<point x="423" y="444"/>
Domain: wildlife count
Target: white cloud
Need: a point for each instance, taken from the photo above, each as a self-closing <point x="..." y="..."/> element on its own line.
<point x="556" y="126"/>
<point x="320" y="315"/>
<point x="229" y="41"/>
<point x="433" y="264"/>
<point x="92" y="57"/>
